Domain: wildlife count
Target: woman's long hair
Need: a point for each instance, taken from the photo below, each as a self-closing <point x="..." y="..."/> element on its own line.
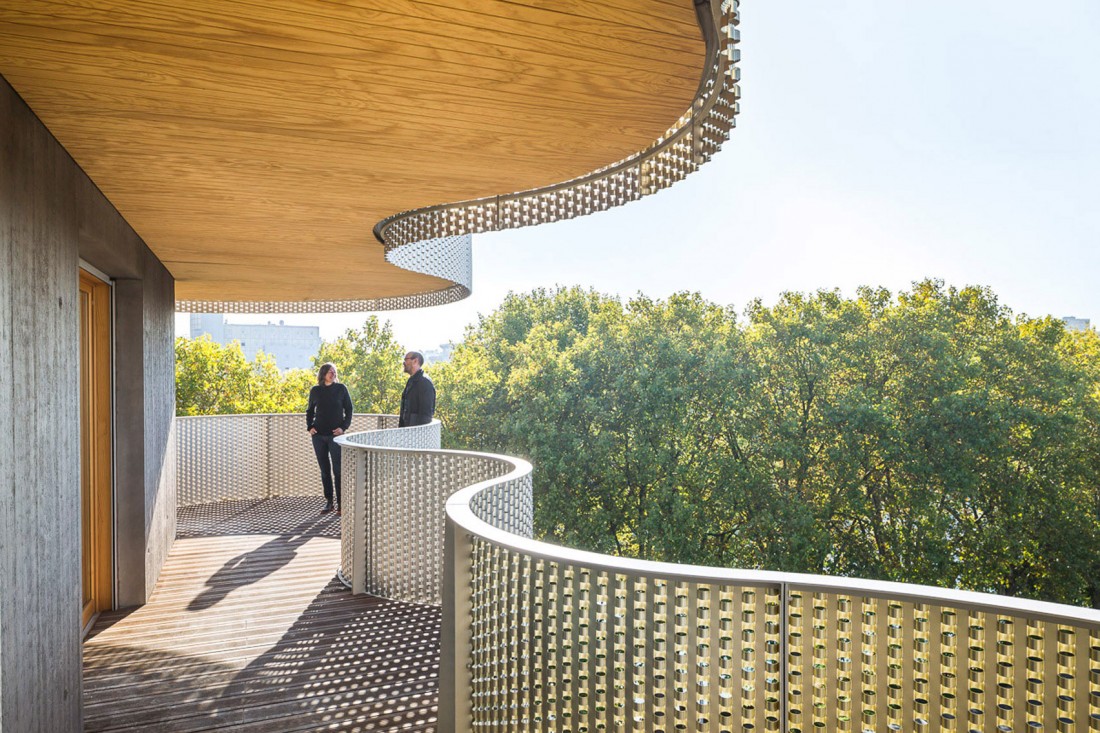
<point x="324" y="370"/>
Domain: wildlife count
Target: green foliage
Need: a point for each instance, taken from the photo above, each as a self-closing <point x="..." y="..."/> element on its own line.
<point x="368" y="361"/>
<point x="212" y="379"/>
<point x="929" y="438"/>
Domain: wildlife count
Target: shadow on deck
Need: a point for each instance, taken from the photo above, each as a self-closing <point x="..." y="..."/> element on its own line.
<point x="250" y="630"/>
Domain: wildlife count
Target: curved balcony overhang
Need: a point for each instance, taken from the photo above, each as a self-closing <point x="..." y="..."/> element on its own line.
<point x="248" y="144"/>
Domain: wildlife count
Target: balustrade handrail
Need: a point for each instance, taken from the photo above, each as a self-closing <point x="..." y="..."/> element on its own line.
<point x="458" y="509"/>
<point x="545" y="637"/>
<point x="683" y="646"/>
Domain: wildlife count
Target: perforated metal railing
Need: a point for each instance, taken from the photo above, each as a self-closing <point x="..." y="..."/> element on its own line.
<point x="548" y="638"/>
<point x="538" y="637"/>
<point x="391" y="513"/>
<point x="435" y="240"/>
<point x="234" y="457"/>
<point x="223" y="457"/>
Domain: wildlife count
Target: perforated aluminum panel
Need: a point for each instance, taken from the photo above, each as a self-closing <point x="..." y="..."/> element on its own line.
<point x="859" y="663"/>
<point x="566" y="647"/>
<point x="507" y="505"/>
<point x="562" y="646"/>
<point x="229" y="457"/>
<point x="405" y="493"/>
<point x="385" y="499"/>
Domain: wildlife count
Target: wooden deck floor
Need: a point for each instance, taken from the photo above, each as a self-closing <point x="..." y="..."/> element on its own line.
<point x="250" y="630"/>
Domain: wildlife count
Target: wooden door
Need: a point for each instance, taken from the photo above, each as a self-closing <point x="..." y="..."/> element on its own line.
<point x="95" y="446"/>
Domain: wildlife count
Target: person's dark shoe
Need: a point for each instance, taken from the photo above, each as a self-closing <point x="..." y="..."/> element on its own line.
<point x="327" y="509"/>
<point x="339" y="513"/>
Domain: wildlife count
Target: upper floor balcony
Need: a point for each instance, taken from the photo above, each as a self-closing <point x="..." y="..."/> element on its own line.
<point x="217" y="156"/>
<point x="236" y="156"/>
<point x="456" y="618"/>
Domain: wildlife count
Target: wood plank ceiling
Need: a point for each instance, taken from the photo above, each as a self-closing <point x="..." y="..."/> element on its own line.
<point x="254" y="143"/>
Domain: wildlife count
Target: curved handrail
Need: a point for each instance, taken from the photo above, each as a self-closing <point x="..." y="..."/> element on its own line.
<point x="435" y="240"/>
<point x="460" y="512"/>
<point x="388" y="434"/>
<point x="563" y="634"/>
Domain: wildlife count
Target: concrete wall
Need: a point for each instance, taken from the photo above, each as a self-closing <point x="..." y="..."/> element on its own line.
<point x="145" y="446"/>
<point x="51" y="216"/>
<point x="159" y="368"/>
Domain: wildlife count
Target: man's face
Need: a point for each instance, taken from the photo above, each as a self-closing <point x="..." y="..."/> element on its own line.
<point x="411" y="364"/>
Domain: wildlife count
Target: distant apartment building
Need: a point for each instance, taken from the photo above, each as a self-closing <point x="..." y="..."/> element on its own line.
<point x="293" y="347"/>
<point x="1076" y="324"/>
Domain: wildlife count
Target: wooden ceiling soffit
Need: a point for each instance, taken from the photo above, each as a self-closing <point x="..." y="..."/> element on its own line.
<point x="435" y="241"/>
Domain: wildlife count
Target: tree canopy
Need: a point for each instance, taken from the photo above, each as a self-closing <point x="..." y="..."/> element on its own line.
<point x="368" y="361"/>
<point x="927" y="437"/>
<point x="212" y="379"/>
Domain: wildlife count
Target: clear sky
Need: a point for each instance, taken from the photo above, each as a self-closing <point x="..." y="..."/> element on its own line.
<point x="878" y="143"/>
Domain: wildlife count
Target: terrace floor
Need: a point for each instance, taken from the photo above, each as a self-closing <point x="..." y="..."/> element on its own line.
<point x="249" y="629"/>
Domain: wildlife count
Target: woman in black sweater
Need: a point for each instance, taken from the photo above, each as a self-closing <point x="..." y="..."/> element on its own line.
<point x="328" y="415"/>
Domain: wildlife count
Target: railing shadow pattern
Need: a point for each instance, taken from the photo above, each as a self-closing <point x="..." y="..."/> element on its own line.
<point x="279" y="515"/>
<point x="281" y="645"/>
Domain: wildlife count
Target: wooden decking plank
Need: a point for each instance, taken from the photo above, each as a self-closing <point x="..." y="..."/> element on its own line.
<point x="270" y="622"/>
<point x="265" y="703"/>
<point x="275" y="625"/>
<point x="284" y="716"/>
<point x="146" y="676"/>
<point x="254" y="632"/>
<point x="389" y="627"/>
<point x="152" y="678"/>
<point x="229" y="604"/>
<point x="179" y="692"/>
<point x="189" y="601"/>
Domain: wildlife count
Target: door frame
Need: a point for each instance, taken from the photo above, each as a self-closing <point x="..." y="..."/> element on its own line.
<point x="98" y="443"/>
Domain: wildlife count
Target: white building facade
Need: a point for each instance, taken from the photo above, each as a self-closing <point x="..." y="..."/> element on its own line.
<point x="293" y="347"/>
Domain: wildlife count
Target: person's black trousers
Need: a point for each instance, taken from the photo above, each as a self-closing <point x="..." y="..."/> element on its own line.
<point x="326" y="448"/>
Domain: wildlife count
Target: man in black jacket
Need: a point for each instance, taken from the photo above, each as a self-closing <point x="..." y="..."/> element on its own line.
<point x="418" y="399"/>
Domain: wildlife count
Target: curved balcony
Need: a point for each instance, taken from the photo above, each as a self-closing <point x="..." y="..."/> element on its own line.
<point x="582" y="641"/>
<point x="541" y="637"/>
<point x="436" y="240"/>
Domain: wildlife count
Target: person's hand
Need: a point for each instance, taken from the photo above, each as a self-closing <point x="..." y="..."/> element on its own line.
<point x="337" y="431"/>
<point x="313" y="431"/>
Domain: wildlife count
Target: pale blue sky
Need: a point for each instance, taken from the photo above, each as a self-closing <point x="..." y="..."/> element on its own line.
<point x="878" y="143"/>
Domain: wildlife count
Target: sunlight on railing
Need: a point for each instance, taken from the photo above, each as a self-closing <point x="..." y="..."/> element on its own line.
<point x="542" y="637"/>
<point x="568" y="640"/>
